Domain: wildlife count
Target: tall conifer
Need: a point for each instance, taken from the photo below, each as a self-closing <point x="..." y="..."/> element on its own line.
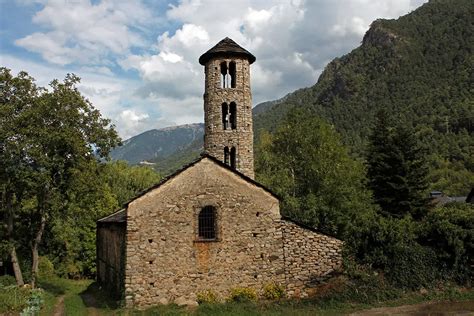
<point x="397" y="168"/>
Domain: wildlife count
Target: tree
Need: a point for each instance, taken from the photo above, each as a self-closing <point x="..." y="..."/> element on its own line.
<point x="50" y="138"/>
<point x="307" y="165"/>
<point x="397" y="168"/>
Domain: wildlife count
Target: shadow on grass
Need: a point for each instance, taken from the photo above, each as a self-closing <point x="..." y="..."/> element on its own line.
<point x="52" y="287"/>
<point x="96" y="297"/>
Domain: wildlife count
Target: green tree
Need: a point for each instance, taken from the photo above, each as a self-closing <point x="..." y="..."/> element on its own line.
<point x="397" y="168"/>
<point x="307" y="165"/>
<point x="53" y="135"/>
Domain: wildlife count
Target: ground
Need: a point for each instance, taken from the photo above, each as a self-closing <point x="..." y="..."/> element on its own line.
<point x="84" y="297"/>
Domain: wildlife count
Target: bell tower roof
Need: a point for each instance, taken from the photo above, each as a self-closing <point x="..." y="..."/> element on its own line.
<point x="226" y="47"/>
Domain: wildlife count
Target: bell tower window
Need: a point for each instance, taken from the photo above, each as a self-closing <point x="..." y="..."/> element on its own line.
<point x="232" y="158"/>
<point x="226" y="116"/>
<point x="224" y="75"/>
<point x="233" y="115"/>
<point x="226" y="155"/>
<point x="232" y="74"/>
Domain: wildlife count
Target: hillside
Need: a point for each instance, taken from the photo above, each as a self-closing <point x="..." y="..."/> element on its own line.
<point x="158" y="144"/>
<point x="420" y="68"/>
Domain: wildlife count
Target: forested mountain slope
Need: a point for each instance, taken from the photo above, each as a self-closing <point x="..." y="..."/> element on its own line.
<point x="420" y="69"/>
<point x="158" y="144"/>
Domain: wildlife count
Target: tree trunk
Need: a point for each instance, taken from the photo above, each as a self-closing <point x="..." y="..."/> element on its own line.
<point x="16" y="267"/>
<point x="34" y="251"/>
<point x="14" y="257"/>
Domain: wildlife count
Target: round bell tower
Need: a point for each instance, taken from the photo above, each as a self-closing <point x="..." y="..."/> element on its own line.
<point x="228" y="132"/>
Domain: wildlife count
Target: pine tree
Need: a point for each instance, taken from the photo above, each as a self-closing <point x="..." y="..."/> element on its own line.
<point x="397" y="169"/>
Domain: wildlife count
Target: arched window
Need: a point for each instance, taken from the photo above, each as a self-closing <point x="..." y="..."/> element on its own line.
<point x="207" y="223"/>
<point x="233" y="77"/>
<point x="226" y="155"/>
<point x="225" y="116"/>
<point x="224" y="75"/>
<point x="232" y="158"/>
<point x="233" y="115"/>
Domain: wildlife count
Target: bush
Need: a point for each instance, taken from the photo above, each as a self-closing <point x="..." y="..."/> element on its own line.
<point x="7" y="280"/>
<point x="242" y="294"/>
<point x="207" y="297"/>
<point x="45" y="267"/>
<point x="34" y="303"/>
<point x="413" y="267"/>
<point x="13" y="298"/>
<point x="450" y="230"/>
<point x="273" y="291"/>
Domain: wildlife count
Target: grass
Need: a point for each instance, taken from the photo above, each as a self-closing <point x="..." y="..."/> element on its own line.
<point x="338" y="297"/>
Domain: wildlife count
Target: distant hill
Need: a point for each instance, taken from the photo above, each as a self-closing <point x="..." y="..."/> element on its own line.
<point x="159" y="144"/>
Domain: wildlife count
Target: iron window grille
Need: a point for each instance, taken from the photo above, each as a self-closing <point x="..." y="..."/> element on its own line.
<point x="207" y="223"/>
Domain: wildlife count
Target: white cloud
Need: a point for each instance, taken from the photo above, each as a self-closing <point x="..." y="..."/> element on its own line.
<point x="85" y="33"/>
<point x="112" y="96"/>
<point x="293" y="40"/>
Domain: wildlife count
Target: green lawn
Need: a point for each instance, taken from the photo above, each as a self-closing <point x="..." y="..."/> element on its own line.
<point x="84" y="297"/>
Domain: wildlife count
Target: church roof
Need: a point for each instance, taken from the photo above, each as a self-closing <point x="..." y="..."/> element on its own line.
<point x="226" y="47"/>
<point x="117" y="217"/>
<point x="121" y="216"/>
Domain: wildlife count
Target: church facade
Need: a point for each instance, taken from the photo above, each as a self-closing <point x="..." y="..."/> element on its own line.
<point x="210" y="226"/>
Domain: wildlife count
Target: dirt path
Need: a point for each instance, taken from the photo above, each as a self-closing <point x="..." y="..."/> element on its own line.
<point x="59" y="307"/>
<point x="430" y="308"/>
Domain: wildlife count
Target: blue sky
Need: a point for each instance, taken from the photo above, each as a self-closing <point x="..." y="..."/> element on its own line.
<point x="138" y="59"/>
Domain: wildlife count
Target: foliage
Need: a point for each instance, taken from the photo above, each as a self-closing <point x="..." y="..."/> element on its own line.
<point x="48" y="137"/>
<point x="7" y="280"/>
<point x="305" y="163"/>
<point x="45" y="267"/>
<point x="450" y="231"/>
<point x="13" y="298"/>
<point x="207" y="297"/>
<point x="397" y="169"/>
<point x="34" y="303"/>
<point x="273" y="291"/>
<point x="419" y="68"/>
<point x="242" y="294"/>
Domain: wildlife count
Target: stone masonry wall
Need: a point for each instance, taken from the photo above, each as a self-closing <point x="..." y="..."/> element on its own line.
<point x="310" y="258"/>
<point x="165" y="260"/>
<point x="216" y="138"/>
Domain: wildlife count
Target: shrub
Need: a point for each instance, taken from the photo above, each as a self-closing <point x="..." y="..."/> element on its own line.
<point x="273" y="291"/>
<point x="13" y="298"/>
<point x="45" y="267"/>
<point x="34" y="303"/>
<point x="450" y="230"/>
<point x="207" y="297"/>
<point x="242" y="294"/>
<point x="6" y="280"/>
<point x="413" y="267"/>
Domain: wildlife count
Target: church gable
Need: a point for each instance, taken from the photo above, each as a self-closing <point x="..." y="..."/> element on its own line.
<point x="197" y="178"/>
<point x="207" y="222"/>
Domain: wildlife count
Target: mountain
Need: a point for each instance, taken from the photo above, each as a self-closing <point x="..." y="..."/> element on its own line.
<point x="156" y="145"/>
<point x="419" y="67"/>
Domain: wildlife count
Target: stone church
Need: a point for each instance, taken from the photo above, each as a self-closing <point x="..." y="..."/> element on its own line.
<point x="210" y="225"/>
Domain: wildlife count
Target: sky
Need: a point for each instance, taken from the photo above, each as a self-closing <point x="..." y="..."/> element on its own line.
<point x="138" y="59"/>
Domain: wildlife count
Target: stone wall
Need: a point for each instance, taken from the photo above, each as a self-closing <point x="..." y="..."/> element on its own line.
<point x="310" y="258"/>
<point x="167" y="262"/>
<point x="216" y="138"/>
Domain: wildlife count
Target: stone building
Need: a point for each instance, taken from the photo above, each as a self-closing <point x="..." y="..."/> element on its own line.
<point x="210" y="226"/>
